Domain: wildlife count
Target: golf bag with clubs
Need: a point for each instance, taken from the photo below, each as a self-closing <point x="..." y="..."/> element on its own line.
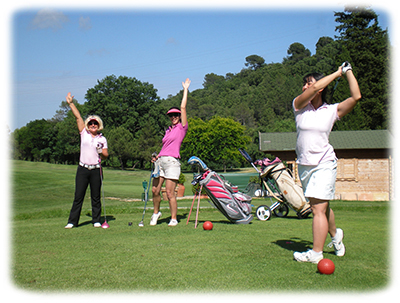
<point x="234" y="205"/>
<point x="279" y="182"/>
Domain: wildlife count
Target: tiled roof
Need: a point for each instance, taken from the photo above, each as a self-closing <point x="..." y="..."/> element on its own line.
<point x="359" y="139"/>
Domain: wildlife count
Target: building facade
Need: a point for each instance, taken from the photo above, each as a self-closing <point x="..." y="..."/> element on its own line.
<point x="364" y="161"/>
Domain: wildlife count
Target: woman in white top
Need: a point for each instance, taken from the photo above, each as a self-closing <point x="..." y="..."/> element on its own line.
<point x="315" y="156"/>
<point x="93" y="149"/>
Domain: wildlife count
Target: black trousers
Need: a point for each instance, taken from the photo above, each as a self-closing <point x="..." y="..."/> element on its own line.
<point x="85" y="177"/>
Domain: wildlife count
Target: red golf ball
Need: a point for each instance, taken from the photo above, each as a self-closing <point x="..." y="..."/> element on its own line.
<point x="326" y="267"/>
<point x="207" y="225"/>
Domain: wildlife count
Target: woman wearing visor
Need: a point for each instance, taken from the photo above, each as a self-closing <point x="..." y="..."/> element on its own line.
<point x="93" y="150"/>
<point x="167" y="161"/>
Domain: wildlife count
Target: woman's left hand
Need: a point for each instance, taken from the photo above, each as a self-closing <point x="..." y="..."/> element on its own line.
<point x="186" y="84"/>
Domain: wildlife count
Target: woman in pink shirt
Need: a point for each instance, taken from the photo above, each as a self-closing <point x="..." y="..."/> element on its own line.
<point x="167" y="161"/>
<point x="93" y="150"/>
<point x="316" y="158"/>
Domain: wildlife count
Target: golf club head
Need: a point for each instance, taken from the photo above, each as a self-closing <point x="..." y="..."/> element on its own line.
<point x="196" y="160"/>
<point x="141" y="224"/>
<point x="105" y="225"/>
<point x="245" y="155"/>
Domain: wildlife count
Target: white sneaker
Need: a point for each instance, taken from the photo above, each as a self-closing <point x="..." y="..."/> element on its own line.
<point x="154" y="218"/>
<point x="97" y="224"/>
<point x="173" y="222"/>
<point x="337" y="243"/>
<point x="308" y="256"/>
<point x="69" y="226"/>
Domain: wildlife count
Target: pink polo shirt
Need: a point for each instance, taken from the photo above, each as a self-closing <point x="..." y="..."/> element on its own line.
<point x="172" y="140"/>
<point x="313" y="129"/>
<point x="89" y="153"/>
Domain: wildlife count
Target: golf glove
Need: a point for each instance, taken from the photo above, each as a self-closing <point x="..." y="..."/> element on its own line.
<point x="99" y="148"/>
<point x="346" y="66"/>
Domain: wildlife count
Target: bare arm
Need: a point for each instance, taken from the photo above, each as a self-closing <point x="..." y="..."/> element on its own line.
<point x="347" y="105"/>
<point x="75" y="111"/>
<point x="185" y="85"/>
<point x="302" y="100"/>
<point x="104" y="154"/>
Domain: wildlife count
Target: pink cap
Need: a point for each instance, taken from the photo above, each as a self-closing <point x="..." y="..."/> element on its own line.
<point x="173" y="110"/>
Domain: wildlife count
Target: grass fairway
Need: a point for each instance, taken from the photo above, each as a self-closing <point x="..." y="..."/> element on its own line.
<point x="250" y="258"/>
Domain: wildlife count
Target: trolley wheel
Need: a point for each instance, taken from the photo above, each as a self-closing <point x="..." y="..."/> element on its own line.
<point x="282" y="210"/>
<point x="263" y="213"/>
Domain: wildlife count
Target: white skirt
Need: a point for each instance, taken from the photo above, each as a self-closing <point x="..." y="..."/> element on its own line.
<point x="319" y="181"/>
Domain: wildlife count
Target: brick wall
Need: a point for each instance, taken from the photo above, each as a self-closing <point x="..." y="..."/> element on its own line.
<point x="361" y="179"/>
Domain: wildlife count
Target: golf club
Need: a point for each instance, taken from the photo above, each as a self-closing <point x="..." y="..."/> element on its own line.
<point x="146" y="192"/>
<point x="105" y="224"/>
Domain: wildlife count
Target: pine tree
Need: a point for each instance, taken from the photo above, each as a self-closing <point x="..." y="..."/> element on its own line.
<point x="366" y="46"/>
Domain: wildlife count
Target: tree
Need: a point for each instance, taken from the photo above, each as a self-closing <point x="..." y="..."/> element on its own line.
<point x="33" y="140"/>
<point x="366" y="46"/>
<point x="120" y="145"/>
<point x="254" y="61"/>
<point x="146" y="142"/>
<point x="122" y="101"/>
<point x="211" y="79"/>
<point x="216" y="141"/>
<point x="296" y="52"/>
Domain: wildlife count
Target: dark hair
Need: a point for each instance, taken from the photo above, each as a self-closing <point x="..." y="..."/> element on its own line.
<point x="317" y="77"/>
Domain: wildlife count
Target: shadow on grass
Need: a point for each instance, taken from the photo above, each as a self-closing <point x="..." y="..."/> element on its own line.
<point x="294" y="244"/>
<point x="107" y="218"/>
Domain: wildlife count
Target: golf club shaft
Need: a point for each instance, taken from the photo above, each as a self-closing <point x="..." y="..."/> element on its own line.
<point x="198" y="206"/>
<point x="102" y="189"/>
<point x="191" y="208"/>
<point x="146" y="193"/>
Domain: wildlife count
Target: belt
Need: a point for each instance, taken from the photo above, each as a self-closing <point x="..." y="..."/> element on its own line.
<point x="89" y="167"/>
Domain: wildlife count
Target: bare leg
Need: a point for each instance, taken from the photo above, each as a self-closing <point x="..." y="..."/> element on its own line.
<point x="323" y="222"/>
<point x="170" y="186"/>
<point x="156" y="190"/>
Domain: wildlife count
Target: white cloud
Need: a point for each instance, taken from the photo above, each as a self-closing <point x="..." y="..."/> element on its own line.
<point x="172" y="40"/>
<point x="49" y="18"/>
<point x="85" y="23"/>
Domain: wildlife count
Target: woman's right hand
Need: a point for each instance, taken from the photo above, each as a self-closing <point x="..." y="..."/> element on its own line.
<point x="69" y="98"/>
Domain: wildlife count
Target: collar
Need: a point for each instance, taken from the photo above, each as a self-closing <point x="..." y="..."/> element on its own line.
<point x="324" y="105"/>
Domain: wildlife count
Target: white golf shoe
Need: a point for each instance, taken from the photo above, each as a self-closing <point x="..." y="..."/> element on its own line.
<point x="69" y="226"/>
<point x="173" y="222"/>
<point x="308" y="256"/>
<point x="337" y="243"/>
<point x="154" y="218"/>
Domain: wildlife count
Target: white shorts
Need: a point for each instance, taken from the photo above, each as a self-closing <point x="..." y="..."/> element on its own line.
<point x="319" y="181"/>
<point x="169" y="167"/>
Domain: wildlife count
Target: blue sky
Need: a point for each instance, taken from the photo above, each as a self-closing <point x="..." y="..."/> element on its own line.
<point x="58" y="50"/>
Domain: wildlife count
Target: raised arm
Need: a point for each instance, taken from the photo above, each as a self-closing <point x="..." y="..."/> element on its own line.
<point x="75" y="111"/>
<point x="308" y="94"/>
<point x="347" y="105"/>
<point x="185" y="85"/>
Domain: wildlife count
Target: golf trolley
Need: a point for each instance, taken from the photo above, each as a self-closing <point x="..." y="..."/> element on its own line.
<point x="279" y="183"/>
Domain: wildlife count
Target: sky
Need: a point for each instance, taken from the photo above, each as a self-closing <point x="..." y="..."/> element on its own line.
<point x="67" y="49"/>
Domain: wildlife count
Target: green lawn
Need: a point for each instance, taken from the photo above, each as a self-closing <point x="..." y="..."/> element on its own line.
<point x="245" y="258"/>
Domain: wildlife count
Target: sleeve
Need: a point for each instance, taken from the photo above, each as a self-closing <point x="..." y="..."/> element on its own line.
<point x="103" y="141"/>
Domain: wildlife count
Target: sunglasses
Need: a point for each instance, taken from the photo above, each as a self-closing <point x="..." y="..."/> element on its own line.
<point x="173" y="115"/>
<point x="93" y="123"/>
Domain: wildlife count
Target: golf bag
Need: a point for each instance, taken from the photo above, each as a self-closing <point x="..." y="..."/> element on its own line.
<point x="292" y="193"/>
<point x="233" y="204"/>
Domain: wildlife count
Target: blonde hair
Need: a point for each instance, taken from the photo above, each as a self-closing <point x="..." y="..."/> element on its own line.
<point x="94" y="117"/>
